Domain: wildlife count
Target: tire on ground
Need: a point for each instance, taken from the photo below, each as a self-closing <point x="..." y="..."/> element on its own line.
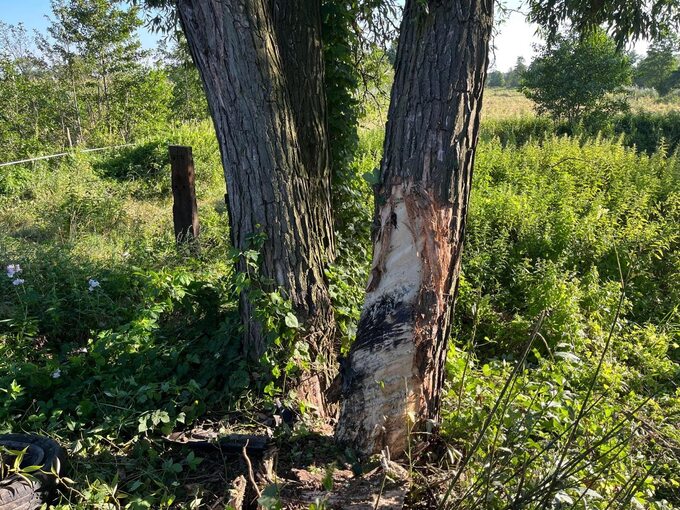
<point x="18" y="493"/>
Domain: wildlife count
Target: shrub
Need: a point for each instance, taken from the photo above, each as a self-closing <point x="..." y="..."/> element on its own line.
<point x="575" y="79"/>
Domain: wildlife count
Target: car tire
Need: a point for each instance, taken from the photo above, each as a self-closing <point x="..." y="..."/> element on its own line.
<point x="19" y="493"/>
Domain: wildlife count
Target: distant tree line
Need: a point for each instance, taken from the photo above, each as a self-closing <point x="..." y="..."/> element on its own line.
<point x="585" y="79"/>
<point x="659" y="69"/>
<point x="89" y="82"/>
<point x="511" y="79"/>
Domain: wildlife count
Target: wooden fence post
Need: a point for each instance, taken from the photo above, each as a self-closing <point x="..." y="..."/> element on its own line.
<point x="184" y="208"/>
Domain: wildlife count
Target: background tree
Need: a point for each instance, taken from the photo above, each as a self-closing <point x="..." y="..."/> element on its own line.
<point x="656" y="69"/>
<point x="513" y="78"/>
<point x="87" y="83"/>
<point x="188" y="98"/>
<point x="95" y="40"/>
<point x="496" y="79"/>
<point x="574" y="79"/>
<point x="31" y="114"/>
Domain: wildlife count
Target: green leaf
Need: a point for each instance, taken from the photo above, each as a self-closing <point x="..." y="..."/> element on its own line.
<point x="291" y="321"/>
<point x="239" y="379"/>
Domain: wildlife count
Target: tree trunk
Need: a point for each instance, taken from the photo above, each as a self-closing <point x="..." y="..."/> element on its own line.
<point x="261" y="66"/>
<point x="298" y="30"/>
<point x="393" y="378"/>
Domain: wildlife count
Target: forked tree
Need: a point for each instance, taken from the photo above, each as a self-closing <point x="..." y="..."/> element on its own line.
<point x="261" y="64"/>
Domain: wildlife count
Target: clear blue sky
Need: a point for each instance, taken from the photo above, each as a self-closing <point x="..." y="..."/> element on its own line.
<point x="33" y="14"/>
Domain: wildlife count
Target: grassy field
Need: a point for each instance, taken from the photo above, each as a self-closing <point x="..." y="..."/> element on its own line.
<point x="562" y="374"/>
<point x="501" y="104"/>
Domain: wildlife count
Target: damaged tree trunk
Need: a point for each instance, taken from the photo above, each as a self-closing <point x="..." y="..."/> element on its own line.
<point x="393" y="378"/>
<point x="262" y="68"/>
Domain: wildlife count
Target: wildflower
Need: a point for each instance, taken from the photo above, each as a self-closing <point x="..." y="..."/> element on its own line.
<point x="56" y="374"/>
<point x="18" y="281"/>
<point x="12" y="270"/>
<point x="93" y="284"/>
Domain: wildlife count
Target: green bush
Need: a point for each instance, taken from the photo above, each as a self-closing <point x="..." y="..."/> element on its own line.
<point x="145" y="162"/>
<point x="646" y="131"/>
<point x="649" y="131"/>
<point x="545" y="218"/>
<point x="13" y="179"/>
<point x="520" y="130"/>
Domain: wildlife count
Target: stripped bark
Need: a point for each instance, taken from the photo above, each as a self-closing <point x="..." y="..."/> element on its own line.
<point x="262" y="69"/>
<point x="393" y="377"/>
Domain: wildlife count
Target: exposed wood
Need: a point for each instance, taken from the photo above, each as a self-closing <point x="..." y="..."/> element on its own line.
<point x="393" y="378"/>
<point x="237" y="493"/>
<point x="184" y="207"/>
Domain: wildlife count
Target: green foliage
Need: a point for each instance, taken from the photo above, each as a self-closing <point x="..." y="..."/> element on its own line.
<point x="547" y="223"/>
<point x="553" y="229"/>
<point x="626" y="20"/>
<point x="88" y="84"/>
<point x="188" y="99"/>
<point x="518" y="131"/>
<point x="31" y="100"/>
<point x="358" y="39"/>
<point x="114" y="337"/>
<point x="574" y="79"/>
<point x="495" y="79"/>
<point x="649" y="131"/>
<point x="342" y="80"/>
<point x="94" y="45"/>
<point x="144" y="166"/>
<point x="657" y="68"/>
<point x="536" y="453"/>
<point x="646" y="131"/>
<point x="348" y="276"/>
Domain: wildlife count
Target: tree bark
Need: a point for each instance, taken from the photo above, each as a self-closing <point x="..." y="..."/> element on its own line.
<point x="393" y="378"/>
<point x="298" y="30"/>
<point x="261" y="65"/>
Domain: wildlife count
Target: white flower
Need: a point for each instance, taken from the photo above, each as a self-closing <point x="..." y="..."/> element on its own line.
<point x="18" y="281"/>
<point x="126" y="255"/>
<point x="12" y="270"/>
<point x="93" y="284"/>
<point x="56" y="374"/>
